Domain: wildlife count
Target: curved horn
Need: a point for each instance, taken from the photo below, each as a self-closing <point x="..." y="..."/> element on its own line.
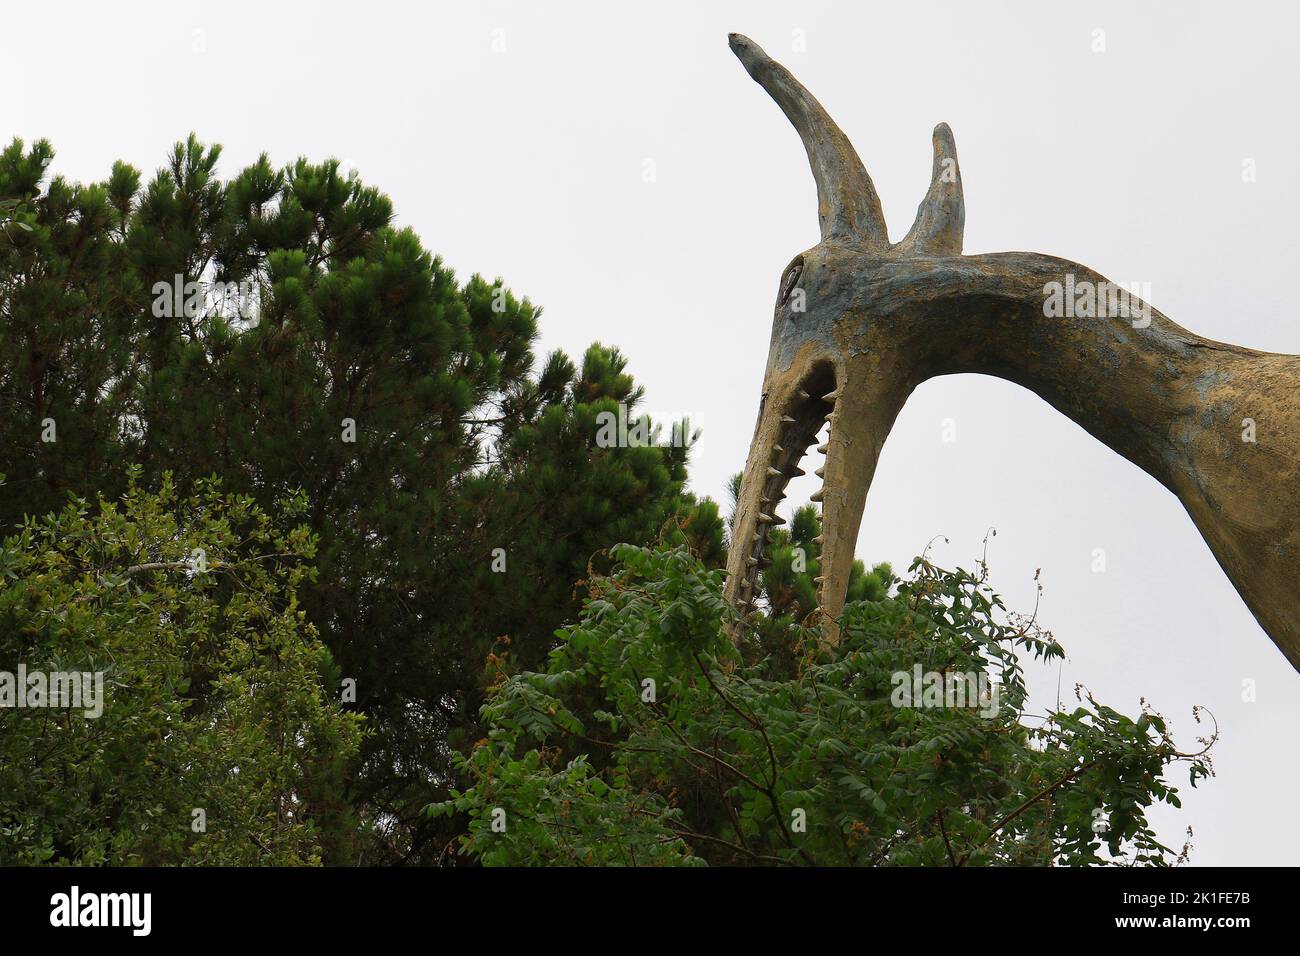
<point x="941" y="217"/>
<point x="847" y="205"/>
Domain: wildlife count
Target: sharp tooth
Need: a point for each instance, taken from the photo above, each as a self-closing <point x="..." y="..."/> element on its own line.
<point x="787" y="420"/>
<point x="817" y="495"/>
<point x="803" y="394"/>
<point x="830" y="418"/>
<point x="773" y="472"/>
<point x="831" y="396"/>
<point x="777" y="450"/>
<point x="823" y="449"/>
<point x="798" y="473"/>
<point x="818" y="539"/>
<point x="820" y="472"/>
<point x="764" y="519"/>
<point x="777" y="520"/>
<point x="820" y="579"/>
<point x="753" y="561"/>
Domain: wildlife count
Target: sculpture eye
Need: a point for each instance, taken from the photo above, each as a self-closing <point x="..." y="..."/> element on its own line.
<point x="792" y="276"/>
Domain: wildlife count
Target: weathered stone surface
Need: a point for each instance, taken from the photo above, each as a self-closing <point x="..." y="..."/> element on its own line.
<point x="863" y="322"/>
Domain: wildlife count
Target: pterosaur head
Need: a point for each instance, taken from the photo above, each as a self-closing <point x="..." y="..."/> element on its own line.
<point x="842" y="357"/>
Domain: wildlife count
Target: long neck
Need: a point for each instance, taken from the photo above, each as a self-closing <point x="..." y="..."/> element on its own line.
<point x="1174" y="403"/>
<point x="1129" y="379"/>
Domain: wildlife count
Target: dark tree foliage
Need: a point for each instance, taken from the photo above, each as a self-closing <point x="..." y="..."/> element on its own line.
<point x="277" y="331"/>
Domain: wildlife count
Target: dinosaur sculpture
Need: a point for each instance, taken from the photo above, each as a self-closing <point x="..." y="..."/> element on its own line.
<point x="861" y="321"/>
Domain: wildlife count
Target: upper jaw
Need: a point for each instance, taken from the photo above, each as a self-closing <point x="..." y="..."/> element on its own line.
<point x="798" y="406"/>
<point x="843" y="404"/>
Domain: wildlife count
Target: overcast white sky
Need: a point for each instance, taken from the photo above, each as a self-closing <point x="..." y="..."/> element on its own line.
<point x="529" y="163"/>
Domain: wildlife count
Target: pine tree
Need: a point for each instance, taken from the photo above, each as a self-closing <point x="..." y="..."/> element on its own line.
<point x="277" y="331"/>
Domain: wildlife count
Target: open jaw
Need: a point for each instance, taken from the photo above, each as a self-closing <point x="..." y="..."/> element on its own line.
<point x="789" y="425"/>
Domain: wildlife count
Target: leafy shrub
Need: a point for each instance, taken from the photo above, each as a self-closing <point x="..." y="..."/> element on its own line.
<point x="652" y="738"/>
